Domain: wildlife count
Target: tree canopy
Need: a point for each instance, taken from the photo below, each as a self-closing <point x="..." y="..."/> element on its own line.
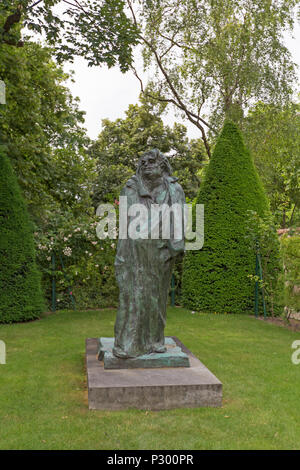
<point x="42" y="128"/>
<point x="123" y="141"/>
<point x="215" y="58"/>
<point x="272" y="133"/>
<point x="100" y="31"/>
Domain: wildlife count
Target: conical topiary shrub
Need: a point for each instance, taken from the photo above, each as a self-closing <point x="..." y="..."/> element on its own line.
<point x="216" y="278"/>
<point x="20" y="290"/>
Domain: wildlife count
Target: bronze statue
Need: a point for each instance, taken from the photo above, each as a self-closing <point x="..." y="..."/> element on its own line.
<point x="144" y="265"/>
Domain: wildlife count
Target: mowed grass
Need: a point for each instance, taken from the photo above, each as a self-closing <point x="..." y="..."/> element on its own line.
<point x="43" y="393"/>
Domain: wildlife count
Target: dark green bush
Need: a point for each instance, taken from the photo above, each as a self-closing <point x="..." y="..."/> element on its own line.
<point x="262" y="236"/>
<point x="84" y="264"/>
<point x="20" y="289"/>
<point x="218" y="277"/>
<point x="290" y="246"/>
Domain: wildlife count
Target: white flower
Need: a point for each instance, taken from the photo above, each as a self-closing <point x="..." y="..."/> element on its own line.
<point x="96" y="265"/>
<point x="112" y="245"/>
<point x="94" y="243"/>
<point x="67" y="251"/>
<point x="65" y="239"/>
<point x="48" y="258"/>
<point x="102" y="248"/>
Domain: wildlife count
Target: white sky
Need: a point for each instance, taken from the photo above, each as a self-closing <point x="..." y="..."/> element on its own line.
<point x="106" y="93"/>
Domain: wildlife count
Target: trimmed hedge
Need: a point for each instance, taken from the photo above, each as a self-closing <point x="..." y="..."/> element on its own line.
<point x="216" y="278"/>
<point x="20" y="289"/>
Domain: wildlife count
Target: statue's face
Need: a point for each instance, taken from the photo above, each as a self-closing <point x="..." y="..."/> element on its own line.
<point x="150" y="166"/>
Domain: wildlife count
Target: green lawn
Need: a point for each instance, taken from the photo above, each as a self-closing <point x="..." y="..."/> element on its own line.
<point x="43" y="395"/>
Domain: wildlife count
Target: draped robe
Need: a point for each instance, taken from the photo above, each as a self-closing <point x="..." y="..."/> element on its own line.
<point x="143" y="270"/>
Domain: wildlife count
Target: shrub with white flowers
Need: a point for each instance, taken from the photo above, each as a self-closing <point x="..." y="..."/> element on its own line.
<point x="84" y="265"/>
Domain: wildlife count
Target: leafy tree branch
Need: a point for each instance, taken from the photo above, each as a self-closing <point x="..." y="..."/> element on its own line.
<point x="99" y="31"/>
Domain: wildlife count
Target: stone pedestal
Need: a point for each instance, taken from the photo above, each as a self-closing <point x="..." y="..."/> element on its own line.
<point x="173" y="357"/>
<point x="150" y="388"/>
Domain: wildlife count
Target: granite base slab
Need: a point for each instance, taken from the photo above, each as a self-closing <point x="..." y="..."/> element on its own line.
<point x="173" y="357"/>
<point x="151" y="388"/>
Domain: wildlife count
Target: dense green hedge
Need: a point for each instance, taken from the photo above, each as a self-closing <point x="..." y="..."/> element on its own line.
<point x="290" y="245"/>
<point x="84" y="264"/>
<point x="218" y="277"/>
<point x="20" y="289"/>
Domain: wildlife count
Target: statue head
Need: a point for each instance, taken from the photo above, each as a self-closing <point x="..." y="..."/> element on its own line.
<point x="153" y="164"/>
